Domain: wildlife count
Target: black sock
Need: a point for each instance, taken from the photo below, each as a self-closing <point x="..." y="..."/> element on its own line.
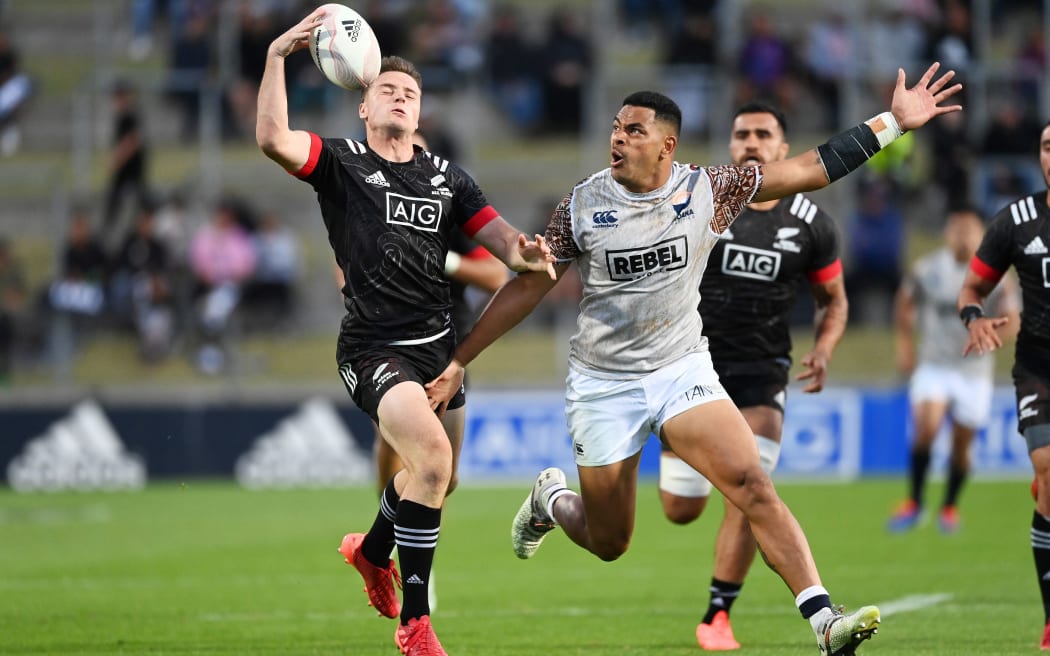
<point x="956" y="478"/>
<point x="379" y="542"/>
<point x="1041" y="551"/>
<point x="920" y="462"/>
<point x="814" y="605"/>
<point x="723" y="594"/>
<point x="416" y="533"/>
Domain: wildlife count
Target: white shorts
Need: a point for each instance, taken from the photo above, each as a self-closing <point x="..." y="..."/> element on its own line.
<point x="969" y="397"/>
<point x="610" y="420"/>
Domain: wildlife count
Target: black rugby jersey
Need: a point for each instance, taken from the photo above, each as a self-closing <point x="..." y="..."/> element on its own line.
<point x="389" y="225"/>
<point x="751" y="281"/>
<point x="1019" y="235"/>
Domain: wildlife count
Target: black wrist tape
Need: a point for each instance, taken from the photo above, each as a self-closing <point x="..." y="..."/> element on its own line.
<point x="971" y="312"/>
<point x="848" y="150"/>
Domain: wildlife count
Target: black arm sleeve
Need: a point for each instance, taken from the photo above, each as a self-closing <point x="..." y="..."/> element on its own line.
<point x="847" y="150"/>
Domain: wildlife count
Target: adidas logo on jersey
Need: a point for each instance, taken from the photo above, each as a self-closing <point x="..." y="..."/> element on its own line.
<point x="1035" y="247"/>
<point x="377" y="179"/>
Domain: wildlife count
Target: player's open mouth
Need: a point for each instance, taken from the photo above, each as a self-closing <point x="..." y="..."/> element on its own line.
<point x="752" y="161"/>
<point x="616" y="159"/>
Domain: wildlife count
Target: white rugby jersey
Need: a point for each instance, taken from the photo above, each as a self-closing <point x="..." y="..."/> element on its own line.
<point x="641" y="257"/>
<point x="934" y="283"/>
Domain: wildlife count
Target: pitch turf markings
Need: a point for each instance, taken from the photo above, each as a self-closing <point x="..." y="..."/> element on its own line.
<point x="912" y="603"/>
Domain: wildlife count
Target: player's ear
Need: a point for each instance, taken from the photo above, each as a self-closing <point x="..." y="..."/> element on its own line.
<point x="784" y="148"/>
<point x="670" y="144"/>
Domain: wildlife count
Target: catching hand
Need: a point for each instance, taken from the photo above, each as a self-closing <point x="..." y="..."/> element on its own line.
<point x="298" y="37"/>
<point x="536" y="255"/>
<point x="914" y="107"/>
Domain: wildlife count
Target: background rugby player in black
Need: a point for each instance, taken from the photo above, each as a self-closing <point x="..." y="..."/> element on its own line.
<point x="390" y="209"/>
<point x="747" y="294"/>
<point x="1019" y="236"/>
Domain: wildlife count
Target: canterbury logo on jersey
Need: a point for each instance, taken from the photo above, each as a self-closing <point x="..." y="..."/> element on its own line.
<point x="635" y="263"/>
<point x="1035" y="247"/>
<point x="604" y="219"/>
<point x="1023" y="211"/>
<point x="748" y="262"/>
<point x="419" y="213"/>
<point x="803" y="208"/>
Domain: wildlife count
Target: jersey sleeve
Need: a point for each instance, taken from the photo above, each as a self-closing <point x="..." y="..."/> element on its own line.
<point x="732" y="187"/>
<point x="559" y="232"/>
<point x="994" y="254"/>
<point x="321" y="167"/>
<point x="824" y="263"/>
<point x="470" y="209"/>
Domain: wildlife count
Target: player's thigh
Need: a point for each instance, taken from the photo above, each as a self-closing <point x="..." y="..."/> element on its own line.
<point x="715" y="440"/>
<point x="453" y="422"/>
<point x="387" y="461"/>
<point x="412" y="428"/>
<point x="609" y="494"/>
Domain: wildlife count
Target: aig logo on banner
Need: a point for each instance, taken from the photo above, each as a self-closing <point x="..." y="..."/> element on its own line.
<point x="822" y="434"/>
<point x="419" y="213"/>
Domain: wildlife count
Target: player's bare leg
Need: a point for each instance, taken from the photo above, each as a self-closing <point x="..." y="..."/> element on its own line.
<point x="958" y="470"/>
<point x="601" y="518"/>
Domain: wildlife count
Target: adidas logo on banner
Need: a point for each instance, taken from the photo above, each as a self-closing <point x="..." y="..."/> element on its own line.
<point x="377" y="179"/>
<point x="1035" y="247"/>
<point x="79" y="452"/>
<point x="312" y="448"/>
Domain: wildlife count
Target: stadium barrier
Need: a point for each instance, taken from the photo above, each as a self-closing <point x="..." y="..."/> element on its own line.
<point x="840" y="434"/>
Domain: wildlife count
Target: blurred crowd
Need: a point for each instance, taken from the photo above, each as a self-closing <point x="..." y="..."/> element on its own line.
<point x="173" y="274"/>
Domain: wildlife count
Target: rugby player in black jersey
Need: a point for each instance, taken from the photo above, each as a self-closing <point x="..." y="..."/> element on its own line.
<point x="746" y="297"/>
<point x="390" y="209"/>
<point x="1019" y="236"/>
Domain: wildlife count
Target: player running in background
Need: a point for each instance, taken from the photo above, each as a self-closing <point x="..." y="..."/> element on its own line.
<point x="944" y="384"/>
<point x="390" y="209"/>
<point x="1019" y="236"/>
<point x="746" y="297"/>
<point x="641" y="232"/>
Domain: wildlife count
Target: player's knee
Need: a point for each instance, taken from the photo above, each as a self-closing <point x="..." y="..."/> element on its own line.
<point x="752" y="490"/>
<point x="612" y="548"/>
<point x="682" y="510"/>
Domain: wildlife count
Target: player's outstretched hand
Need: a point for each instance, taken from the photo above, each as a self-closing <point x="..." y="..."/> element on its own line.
<point x="297" y="37"/>
<point x="816" y="364"/>
<point x="914" y="107"/>
<point x="984" y="337"/>
<point x="441" y="390"/>
<point x="536" y="255"/>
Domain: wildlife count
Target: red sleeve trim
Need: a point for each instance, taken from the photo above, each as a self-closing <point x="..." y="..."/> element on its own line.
<point x="311" y="161"/>
<point x="825" y="274"/>
<point x="479" y="252"/>
<point x="479" y="220"/>
<point x="983" y="270"/>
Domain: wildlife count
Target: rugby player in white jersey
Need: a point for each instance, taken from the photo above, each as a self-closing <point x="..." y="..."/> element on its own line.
<point x="944" y="383"/>
<point x="640" y="232"/>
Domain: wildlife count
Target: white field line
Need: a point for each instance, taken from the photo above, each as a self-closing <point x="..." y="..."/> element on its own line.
<point x="912" y="603"/>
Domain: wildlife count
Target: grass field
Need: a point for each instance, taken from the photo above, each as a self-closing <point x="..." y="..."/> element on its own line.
<point x="207" y="568"/>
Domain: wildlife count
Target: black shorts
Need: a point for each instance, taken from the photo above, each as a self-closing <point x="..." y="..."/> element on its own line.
<point x="369" y="371"/>
<point x="760" y="384"/>
<point x="1033" y="398"/>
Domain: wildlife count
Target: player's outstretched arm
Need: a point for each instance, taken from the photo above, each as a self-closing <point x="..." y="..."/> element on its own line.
<point x="814" y="169"/>
<point x="289" y="148"/>
<point x="512" y="303"/>
<point x="515" y="250"/>
<point x="984" y="335"/>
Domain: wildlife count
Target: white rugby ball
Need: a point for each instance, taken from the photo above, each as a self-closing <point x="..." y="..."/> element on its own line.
<point x="345" y="48"/>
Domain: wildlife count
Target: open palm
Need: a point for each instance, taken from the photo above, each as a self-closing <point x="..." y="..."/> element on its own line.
<point x="914" y="107"/>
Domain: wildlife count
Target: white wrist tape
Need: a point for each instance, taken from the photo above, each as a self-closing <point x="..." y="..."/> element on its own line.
<point x="452" y="261"/>
<point x="885" y="127"/>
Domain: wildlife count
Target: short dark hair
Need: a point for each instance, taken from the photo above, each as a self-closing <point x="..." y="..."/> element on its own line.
<point x="666" y="109"/>
<point x="759" y="107"/>
<point x="401" y="65"/>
